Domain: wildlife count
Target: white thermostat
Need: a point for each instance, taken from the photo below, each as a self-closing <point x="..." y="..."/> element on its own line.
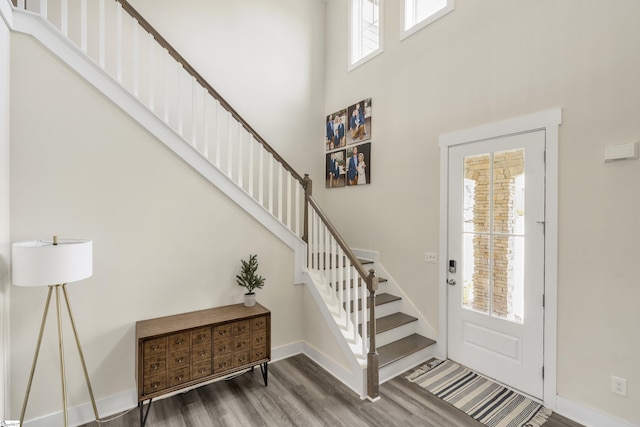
<point x="621" y="152"/>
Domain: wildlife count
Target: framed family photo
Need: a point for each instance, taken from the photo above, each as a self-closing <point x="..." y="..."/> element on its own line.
<point x="348" y="146"/>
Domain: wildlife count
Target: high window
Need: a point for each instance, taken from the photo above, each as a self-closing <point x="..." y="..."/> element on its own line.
<point x="418" y="14"/>
<point x="366" y="31"/>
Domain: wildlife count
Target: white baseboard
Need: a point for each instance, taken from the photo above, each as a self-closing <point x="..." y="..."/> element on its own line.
<point x="587" y="416"/>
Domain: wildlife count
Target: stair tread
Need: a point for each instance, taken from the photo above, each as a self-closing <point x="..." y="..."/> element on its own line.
<point x="401" y="348"/>
<point x="386" y="323"/>
<point x="381" y="299"/>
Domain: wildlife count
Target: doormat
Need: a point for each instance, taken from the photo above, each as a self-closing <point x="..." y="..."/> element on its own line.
<point x="484" y="400"/>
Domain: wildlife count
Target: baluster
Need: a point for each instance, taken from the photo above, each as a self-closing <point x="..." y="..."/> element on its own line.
<point x="363" y="301"/>
<point x="152" y="71"/>
<point x="252" y="143"/>
<point x="310" y="243"/>
<point x="44" y="9"/>
<point x="261" y="176"/>
<point x="119" y="42"/>
<point x="340" y="285"/>
<point x="205" y="130"/>
<point x="83" y="25"/>
<point x="289" y="177"/>
<point x="136" y="58"/>
<point x="218" y="139"/>
<point x="297" y="204"/>
<point x="241" y="132"/>
<point x="280" y="167"/>
<point x="270" y="184"/>
<point x="356" y="313"/>
<point x="101" y="33"/>
<point x="194" y="108"/>
<point x="347" y="292"/>
<point x="64" y="17"/>
<point x="166" y="57"/>
<point x="229" y="146"/>
<point x="179" y="98"/>
<point x="22" y="4"/>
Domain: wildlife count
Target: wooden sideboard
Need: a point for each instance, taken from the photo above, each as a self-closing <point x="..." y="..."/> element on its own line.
<point x="184" y="350"/>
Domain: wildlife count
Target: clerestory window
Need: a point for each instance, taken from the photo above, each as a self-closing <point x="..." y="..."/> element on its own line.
<point x="417" y="14"/>
<point x="366" y="31"/>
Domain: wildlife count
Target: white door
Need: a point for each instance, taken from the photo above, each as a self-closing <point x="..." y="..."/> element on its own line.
<point x="496" y="258"/>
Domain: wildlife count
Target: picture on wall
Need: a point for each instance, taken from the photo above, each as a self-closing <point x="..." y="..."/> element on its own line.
<point x="359" y="115"/>
<point x="336" y="171"/>
<point x="348" y="146"/>
<point x="336" y="131"/>
<point x="359" y="164"/>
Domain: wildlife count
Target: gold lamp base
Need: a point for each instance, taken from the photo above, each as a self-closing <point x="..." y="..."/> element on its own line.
<point x="61" y="351"/>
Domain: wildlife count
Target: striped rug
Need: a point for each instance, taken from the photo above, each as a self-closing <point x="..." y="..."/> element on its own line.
<point x="484" y="400"/>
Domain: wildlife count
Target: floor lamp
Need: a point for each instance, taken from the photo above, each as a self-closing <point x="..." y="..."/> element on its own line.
<point x="53" y="263"/>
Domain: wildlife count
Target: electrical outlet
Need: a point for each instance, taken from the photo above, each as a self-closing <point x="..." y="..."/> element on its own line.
<point x="618" y="385"/>
<point x="431" y="258"/>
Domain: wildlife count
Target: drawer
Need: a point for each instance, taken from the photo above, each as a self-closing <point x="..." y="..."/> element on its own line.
<point x="201" y="336"/>
<point x="222" y="332"/>
<point x="179" y="359"/>
<point x="241" y="342"/>
<point x="178" y="341"/>
<point x="155" y="347"/>
<point x="154" y="383"/>
<point x="179" y="376"/>
<point x="259" y="323"/>
<point x="258" y="353"/>
<point x="202" y="369"/>
<point x="153" y="365"/>
<point x="222" y="348"/>
<point x="201" y="353"/>
<point x="241" y="327"/>
<point x="259" y="338"/>
<point x="240" y="358"/>
<point x="221" y="364"/>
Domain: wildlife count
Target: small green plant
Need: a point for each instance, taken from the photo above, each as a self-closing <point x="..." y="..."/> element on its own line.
<point x="248" y="277"/>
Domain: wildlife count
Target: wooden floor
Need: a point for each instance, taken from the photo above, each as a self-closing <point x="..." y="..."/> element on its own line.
<point x="300" y="393"/>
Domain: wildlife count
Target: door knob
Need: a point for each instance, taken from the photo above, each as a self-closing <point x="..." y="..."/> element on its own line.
<point x="451" y="282"/>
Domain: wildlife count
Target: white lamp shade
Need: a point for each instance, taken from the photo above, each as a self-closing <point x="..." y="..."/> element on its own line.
<point x="41" y="263"/>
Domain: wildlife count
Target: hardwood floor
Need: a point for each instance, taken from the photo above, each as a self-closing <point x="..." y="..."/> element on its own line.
<point x="300" y="393"/>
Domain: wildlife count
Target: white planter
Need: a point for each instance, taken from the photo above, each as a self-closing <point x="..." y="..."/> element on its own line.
<point x="249" y="300"/>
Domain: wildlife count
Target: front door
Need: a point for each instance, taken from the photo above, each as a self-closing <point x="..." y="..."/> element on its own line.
<point x="496" y="209"/>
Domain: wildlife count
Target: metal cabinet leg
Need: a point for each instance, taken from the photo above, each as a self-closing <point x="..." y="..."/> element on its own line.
<point x="143" y="415"/>
<point x="265" y="371"/>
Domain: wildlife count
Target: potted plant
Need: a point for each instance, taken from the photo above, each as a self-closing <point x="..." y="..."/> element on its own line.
<point x="249" y="279"/>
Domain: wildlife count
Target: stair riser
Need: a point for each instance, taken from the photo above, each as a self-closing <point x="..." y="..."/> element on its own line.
<point x="384" y="309"/>
<point x="395" y="334"/>
<point x="398" y="367"/>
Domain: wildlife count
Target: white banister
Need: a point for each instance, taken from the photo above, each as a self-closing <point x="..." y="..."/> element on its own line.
<point x="152" y="71"/>
<point x="119" y="42"/>
<point x="44" y="9"/>
<point x="270" y="186"/>
<point x="136" y="59"/>
<point x="252" y="143"/>
<point x="240" y="155"/>
<point x="280" y="185"/>
<point x="261" y="178"/>
<point x="83" y="25"/>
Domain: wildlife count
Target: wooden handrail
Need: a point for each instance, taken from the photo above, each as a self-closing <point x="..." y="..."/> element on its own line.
<point x="201" y="80"/>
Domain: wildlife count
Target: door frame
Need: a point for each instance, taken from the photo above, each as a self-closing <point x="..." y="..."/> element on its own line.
<point x="549" y="121"/>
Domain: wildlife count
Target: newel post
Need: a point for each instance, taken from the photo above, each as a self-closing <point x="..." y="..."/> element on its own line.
<point x="308" y="189"/>
<point x="372" y="358"/>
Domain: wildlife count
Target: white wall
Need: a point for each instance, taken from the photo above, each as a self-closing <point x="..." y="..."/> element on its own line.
<point x="5" y="240"/>
<point x="488" y="61"/>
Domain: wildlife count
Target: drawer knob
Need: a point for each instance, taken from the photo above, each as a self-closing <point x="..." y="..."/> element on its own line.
<point x="201" y="337"/>
<point x="179" y="342"/>
<point x="180" y="359"/>
<point x="201" y="370"/>
<point x="155" y="385"/>
<point x="202" y="353"/>
<point x="222" y="332"/>
<point x="259" y="339"/>
<point x="155" y="347"/>
<point x="154" y="366"/>
<point x="179" y="378"/>
<point x="222" y="365"/>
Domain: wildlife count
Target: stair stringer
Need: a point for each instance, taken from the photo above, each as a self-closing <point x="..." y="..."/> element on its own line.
<point x="51" y="38"/>
<point x="328" y="305"/>
<point x="422" y="326"/>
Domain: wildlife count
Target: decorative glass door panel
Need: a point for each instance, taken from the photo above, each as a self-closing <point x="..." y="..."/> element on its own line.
<point x="493" y="236"/>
